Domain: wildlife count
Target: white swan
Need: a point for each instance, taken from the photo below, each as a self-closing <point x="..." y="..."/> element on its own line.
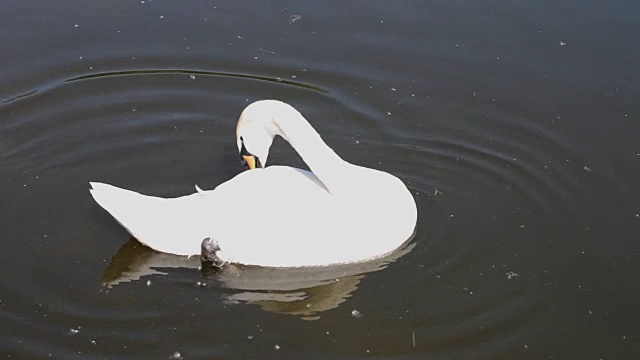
<point x="276" y="216"/>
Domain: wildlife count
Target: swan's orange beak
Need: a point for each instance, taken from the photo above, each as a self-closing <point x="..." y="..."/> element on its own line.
<point x="249" y="161"/>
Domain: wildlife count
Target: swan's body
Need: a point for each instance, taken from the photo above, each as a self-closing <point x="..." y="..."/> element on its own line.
<point x="276" y="216"/>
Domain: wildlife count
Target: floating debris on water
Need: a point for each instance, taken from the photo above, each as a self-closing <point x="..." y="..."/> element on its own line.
<point x="276" y="346"/>
<point x="587" y="169"/>
<point x="176" y="355"/>
<point x="356" y="314"/>
<point x="511" y="274"/>
<point x="562" y="43"/>
<point x="193" y="77"/>
<point x="293" y="18"/>
<point x="73" y="331"/>
<point x="267" y="51"/>
<point x="148" y="282"/>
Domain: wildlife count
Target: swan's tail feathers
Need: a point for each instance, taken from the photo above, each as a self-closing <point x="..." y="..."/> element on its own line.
<point x="155" y="222"/>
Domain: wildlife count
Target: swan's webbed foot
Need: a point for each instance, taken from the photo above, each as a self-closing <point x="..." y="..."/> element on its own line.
<point x="210" y="253"/>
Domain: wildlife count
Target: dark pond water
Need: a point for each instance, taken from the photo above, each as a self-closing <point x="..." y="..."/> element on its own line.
<point x="515" y="124"/>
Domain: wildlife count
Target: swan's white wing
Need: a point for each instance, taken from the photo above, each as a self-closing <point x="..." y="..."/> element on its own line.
<point x="175" y="226"/>
<point x="279" y="216"/>
<point x="253" y="216"/>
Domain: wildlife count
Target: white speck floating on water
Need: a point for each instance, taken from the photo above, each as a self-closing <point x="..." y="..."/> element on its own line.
<point x="562" y="43"/>
<point x="356" y="314"/>
<point x="193" y="77"/>
<point x="76" y="25"/>
<point x="276" y="346"/>
<point x="148" y="282"/>
<point x="587" y="169"/>
<point x="161" y="16"/>
<point x="73" y="331"/>
<point x="176" y="355"/>
<point x="511" y="274"/>
<point x="293" y="18"/>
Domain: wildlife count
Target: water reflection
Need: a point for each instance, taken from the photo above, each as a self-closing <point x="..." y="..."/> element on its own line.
<point x="303" y="292"/>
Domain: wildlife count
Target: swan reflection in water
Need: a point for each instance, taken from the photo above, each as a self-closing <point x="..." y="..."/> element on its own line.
<point x="303" y="292"/>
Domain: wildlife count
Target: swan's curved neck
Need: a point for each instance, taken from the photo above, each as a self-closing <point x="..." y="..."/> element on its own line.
<point x="325" y="164"/>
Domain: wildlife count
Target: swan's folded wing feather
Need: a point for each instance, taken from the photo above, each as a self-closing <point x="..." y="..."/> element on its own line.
<point x="168" y="225"/>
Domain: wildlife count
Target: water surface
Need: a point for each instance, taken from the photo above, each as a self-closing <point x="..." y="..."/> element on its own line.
<point x="514" y="124"/>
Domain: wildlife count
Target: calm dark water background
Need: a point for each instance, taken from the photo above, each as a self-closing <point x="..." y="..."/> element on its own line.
<point x="515" y="124"/>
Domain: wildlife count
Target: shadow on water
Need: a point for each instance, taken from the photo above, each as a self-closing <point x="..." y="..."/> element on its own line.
<point x="303" y="292"/>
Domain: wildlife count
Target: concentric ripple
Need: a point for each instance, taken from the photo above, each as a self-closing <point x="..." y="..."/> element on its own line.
<point x="492" y="182"/>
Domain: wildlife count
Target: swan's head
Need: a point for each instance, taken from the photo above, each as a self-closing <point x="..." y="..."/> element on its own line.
<point x="254" y="134"/>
